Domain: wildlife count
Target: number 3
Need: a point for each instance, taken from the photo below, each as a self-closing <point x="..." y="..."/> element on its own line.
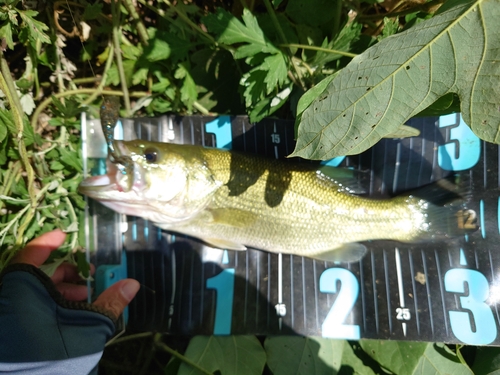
<point x="486" y="329"/>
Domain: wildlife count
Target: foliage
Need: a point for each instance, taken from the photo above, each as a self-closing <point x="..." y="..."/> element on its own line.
<point x="453" y="52"/>
<point x="58" y="59"/>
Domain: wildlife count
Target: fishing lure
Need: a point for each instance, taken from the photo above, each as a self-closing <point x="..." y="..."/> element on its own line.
<point x="109" y="118"/>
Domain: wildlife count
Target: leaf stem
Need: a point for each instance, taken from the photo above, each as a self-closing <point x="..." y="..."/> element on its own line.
<point x="161" y="345"/>
<point x="141" y="29"/>
<point x="322" y="49"/>
<point x="115" y="10"/>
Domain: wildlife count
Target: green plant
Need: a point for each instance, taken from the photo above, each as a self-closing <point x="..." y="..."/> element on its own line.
<point x="192" y="57"/>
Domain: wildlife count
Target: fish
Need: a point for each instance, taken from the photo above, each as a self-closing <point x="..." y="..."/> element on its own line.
<point x="232" y="200"/>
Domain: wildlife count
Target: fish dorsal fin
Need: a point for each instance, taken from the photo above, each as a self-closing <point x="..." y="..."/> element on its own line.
<point x="224" y="244"/>
<point x="233" y="217"/>
<point x="404" y="131"/>
<point x="349" y="252"/>
<point x="343" y="178"/>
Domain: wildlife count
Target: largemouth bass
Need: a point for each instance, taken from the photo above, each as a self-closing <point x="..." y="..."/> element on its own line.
<point x="232" y="200"/>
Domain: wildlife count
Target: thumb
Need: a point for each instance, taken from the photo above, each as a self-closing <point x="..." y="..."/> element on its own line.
<point x="117" y="296"/>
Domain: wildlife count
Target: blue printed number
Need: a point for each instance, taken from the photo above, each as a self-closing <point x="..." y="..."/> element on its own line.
<point x="221" y="127"/>
<point x="335" y="162"/>
<point x="223" y="283"/>
<point x="333" y="326"/>
<point x="463" y="150"/>
<point x="486" y="329"/>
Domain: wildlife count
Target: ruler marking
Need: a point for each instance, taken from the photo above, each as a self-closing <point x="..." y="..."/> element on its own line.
<point x="493" y="282"/>
<point x="396" y="168"/>
<point x="191" y="281"/>
<point x="292" y="314"/>
<point x="428" y="292"/>
<point x="315" y="294"/>
<point x="202" y="287"/>
<point x="387" y="291"/>
<point x="481" y="217"/>
<point x="280" y="290"/>
<point x="269" y="279"/>
<point x="485" y="165"/>
<point x="438" y="267"/>
<point x="412" y="273"/>
<point x="372" y="171"/>
<point x="434" y="154"/>
<point x="422" y="159"/>
<point x="246" y="289"/>
<point x="257" y="286"/>
<point x="498" y="213"/>
<point x="304" y="292"/>
<point x="362" y="282"/>
<point x="374" y="279"/>
<point x="476" y="259"/>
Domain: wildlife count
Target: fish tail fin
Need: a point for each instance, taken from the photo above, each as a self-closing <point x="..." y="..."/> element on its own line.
<point x="445" y="209"/>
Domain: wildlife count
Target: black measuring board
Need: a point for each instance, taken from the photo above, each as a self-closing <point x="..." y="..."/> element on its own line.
<point x="444" y="291"/>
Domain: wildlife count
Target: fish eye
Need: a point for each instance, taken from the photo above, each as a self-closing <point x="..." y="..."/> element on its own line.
<point x="151" y="155"/>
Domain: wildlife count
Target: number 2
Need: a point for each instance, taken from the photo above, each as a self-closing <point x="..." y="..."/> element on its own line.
<point x="333" y="326"/>
<point x="460" y="321"/>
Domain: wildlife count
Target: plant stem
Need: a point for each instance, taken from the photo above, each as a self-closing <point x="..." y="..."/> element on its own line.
<point x="132" y="337"/>
<point x="115" y="10"/>
<point x="171" y="351"/>
<point x="427" y="7"/>
<point x="99" y="89"/>
<point x="189" y="22"/>
<point x="9" y="89"/>
<point x="141" y="29"/>
<point x="322" y="49"/>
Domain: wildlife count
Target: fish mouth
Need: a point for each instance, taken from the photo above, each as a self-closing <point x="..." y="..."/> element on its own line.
<point x="107" y="186"/>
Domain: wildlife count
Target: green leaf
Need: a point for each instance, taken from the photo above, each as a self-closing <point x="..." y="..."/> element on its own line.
<point x="71" y="159"/>
<point x="6" y="33"/>
<point x="303" y="355"/>
<point x="311" y="94"/>
<point x="415" y="357"/>
<point x="92" y="11"/>
<point x="50" y="268"/>
<point x="188" y="88"/>
<point x="391" y="27"/>
<point x="487" y="361"/>
<point x="35" y="28"/>
<point x="455" y="51"/>
<point x="242" y="355"/>
<point x="230" y="30"/>
<point x="3" y="131"/>
<point x="311" y="12"/>
<point x="277" y="71"/>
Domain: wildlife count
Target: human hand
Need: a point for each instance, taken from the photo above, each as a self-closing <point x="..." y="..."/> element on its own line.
<point x="113" y="300"/>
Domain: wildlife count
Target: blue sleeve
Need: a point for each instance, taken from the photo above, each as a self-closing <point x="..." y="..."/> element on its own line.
<point x="43" y="333"/>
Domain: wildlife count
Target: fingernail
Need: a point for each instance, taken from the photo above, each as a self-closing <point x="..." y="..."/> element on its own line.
<point x="130" y="289"/>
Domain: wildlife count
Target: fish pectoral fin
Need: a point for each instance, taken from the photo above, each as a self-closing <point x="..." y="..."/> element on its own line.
<point x="349" y="252"/>
<point x="343" y="178"/>
<point x="233" y="217"/>
<point x="225" y="244"/>
<point x="404" y="131"/>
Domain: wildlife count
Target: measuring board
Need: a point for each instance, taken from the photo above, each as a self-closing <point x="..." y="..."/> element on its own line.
<point x="444" y="291"/>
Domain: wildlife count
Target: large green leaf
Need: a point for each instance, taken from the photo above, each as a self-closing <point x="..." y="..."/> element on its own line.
<point x="456" y="51"/>
<point x="231" y="355"/>
<point x="303" y="355"/>
<point x="487" y="361"/>
<point x="402" y="357"/>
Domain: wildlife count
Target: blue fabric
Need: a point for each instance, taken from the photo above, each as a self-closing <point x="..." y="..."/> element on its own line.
<point x="38" y="325"/>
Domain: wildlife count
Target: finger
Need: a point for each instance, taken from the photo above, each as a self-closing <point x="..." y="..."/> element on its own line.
<point x="118" y="296"/>
<point x="38" y="250"/>
<point x="73" y="292"/>
<point x="69" y="273"/>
